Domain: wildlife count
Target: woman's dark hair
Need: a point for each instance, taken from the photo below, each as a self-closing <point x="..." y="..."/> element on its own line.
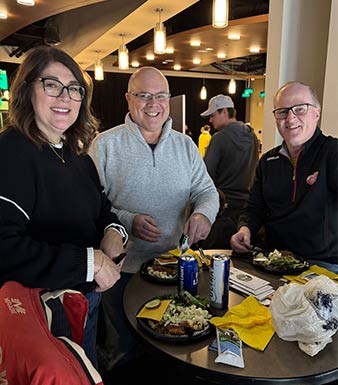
<point x="21" y="113"/>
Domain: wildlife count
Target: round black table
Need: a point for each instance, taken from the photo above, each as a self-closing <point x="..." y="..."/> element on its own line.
<point x="282" y="362"/>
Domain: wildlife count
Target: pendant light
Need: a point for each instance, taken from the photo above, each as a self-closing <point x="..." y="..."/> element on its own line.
<point x="123" y="55"/>
<point x="159" y="35"/>
<point x="232" y="86"/>
<point x="98" y="68"/>
<point x="220" y="13"/>
<point x="203" y="92"/>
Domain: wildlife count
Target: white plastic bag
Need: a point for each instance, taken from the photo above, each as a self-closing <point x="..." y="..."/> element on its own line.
<point x="306" y="313"/>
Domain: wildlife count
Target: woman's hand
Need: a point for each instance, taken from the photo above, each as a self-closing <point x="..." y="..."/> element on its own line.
<point x="106" y="272"/>
<point x="112" y="243"/>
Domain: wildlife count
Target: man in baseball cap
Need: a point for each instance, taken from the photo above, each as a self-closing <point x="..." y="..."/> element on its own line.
<point x="216" y="103"/>
<point x="231" y="160"/>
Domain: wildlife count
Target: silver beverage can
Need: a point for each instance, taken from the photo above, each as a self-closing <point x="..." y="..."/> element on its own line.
<point x="219" y="281"/>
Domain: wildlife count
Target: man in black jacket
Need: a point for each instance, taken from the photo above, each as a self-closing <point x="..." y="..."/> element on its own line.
<point x="295" y="194"/>
<point x="231" y="159"/>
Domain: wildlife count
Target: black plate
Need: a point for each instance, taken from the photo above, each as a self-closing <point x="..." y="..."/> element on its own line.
<point x="199" y="335"/>
<point x="280" y="271"/>
<point x="163" y="281"/>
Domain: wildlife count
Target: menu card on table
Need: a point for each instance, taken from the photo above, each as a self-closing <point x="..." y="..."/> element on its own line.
<point x="249" y="284"/>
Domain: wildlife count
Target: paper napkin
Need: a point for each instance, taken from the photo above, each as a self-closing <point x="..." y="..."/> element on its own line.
<point x="312" y="271"/>
<point x="250" y="320"/>
<point x="154" y="314"/>
<point x="177" y="253"/>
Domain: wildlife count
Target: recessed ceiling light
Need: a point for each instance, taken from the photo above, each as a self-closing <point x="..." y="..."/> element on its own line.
<point x="195" y="43"/>
<point x="202" y="51"/>
<point x="254" y="49"/>
<point x="209" y="49"/>
<point x="26" y="2"/>
<point x="234" y="36"/>
<point x="196" y="60"/>
<point x="164" y="62"/>
<point x="169" y="60"/>
<point x="3" y="15"/>
<point x="177" y="67"/>
<point x="150" y="56"/>
<point x="169" y="50"/>
<point x="221" y="55"/>
<point x="135" y="64"/>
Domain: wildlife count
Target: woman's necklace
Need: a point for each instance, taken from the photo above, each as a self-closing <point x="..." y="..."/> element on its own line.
<point x="56" y="153"/>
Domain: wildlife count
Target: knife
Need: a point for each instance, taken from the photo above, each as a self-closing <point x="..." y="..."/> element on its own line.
<point x="183" y="243"/>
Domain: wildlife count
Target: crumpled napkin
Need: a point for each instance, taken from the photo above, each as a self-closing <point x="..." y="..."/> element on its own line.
<point x="312" y="269"/>
<point x="250" y="320"/>
<point x="154" y="314"/>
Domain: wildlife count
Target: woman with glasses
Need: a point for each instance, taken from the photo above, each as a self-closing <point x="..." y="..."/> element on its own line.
<point x="57" y="230"/>
<point x="295" y="193"/>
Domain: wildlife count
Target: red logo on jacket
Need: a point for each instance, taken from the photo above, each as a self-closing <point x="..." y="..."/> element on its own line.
<point x="311" y="179"/>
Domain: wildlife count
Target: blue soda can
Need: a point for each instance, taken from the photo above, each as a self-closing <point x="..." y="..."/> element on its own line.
<point x="188" y="274"/>
<point x="219" y="281"/>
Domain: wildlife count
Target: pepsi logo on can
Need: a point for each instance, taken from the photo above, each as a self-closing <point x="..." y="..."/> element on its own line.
<point x="219" y="281"/>
<point x="188" y="274"/>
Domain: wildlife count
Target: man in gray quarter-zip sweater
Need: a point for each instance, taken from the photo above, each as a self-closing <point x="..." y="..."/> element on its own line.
<point x="152" y="174"/>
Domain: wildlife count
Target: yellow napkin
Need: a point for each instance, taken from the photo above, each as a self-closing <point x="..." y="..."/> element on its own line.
<point x="250" y="320"/>
<point x="177" y="253"/>
<point x="154" y="314"/>
<point x="312" y="269"/>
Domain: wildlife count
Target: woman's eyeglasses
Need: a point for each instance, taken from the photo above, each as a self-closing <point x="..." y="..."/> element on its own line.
<point x="54" y="88"/>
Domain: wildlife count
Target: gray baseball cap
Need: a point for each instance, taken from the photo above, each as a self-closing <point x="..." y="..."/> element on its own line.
<point x="218" y="102"/>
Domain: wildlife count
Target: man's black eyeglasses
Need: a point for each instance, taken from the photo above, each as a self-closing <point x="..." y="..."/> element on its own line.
<point x="297" y="109"/>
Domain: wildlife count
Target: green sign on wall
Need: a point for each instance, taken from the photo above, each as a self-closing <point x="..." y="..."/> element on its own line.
<point x="3" y="80"/>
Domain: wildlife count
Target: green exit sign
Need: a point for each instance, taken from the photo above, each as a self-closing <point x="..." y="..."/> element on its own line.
<point x="3" y="80"/>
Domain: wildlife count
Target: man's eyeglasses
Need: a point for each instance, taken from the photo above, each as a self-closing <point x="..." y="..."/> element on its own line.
<point x="147" y="96"/>
<point x="54" y="88"/>
<point x="297" y="109"/>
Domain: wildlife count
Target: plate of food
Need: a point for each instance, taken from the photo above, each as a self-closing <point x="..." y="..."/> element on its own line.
<point x="279" y="262"/>
<point x="162" y="270"/>
<point x="185" y="319"/>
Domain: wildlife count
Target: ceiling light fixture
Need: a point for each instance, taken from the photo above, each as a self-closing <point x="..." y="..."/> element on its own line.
<point x="234" y="36"/>
<point x="203" y="92"/>
<point x="135" y="64"/>
<point x="177" y="67"/>
<point x="123" y="55"/>
<point x="150" y="56"/>
<point x="26" y="2"/>
<point x="221" y="55"/>
<point x="159" y="35"/>
<point x="254" y="49"/>
<point x="51" y="36"/>
<point x="232" y="86"/>
<point x="220" y="13"/>
<point x="196" y="60"/>
<point x="3" y="15"/>
<point x="195" y="43"/>
<point x="98" y="68"/>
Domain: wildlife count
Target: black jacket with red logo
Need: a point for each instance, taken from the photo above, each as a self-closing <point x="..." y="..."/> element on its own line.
<point x="297" y="205"/>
